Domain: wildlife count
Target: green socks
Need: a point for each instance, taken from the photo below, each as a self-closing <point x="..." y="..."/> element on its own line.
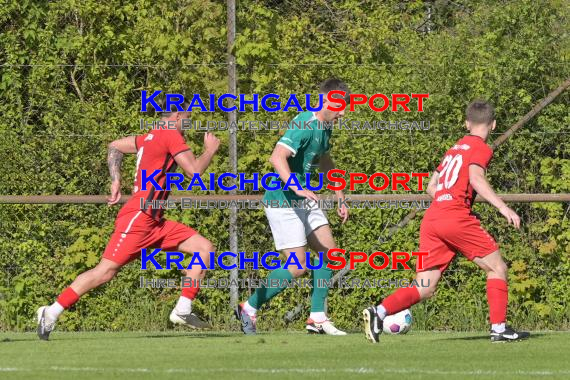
<point x="262" y="294"/>
<point x="320" y="289"/>
<point x="318" y="296"/>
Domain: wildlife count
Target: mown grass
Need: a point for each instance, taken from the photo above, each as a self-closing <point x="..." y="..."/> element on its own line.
<point x="142" y="355"/>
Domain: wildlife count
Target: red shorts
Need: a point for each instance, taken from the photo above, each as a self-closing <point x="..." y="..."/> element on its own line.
<point x="136" y="230"/>
<point x="443" y="237"/>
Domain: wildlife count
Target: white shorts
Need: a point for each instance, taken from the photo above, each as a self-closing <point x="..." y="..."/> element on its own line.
<point x="291" y="226"/>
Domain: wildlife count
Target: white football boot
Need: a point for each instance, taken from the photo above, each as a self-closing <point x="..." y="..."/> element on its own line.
<point x="191" y="320"/>
<point x="45" y="326"/>
<point x="326" y="327"/>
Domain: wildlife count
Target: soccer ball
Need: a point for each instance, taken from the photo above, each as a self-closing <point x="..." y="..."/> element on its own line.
<point x="399" y="323"/>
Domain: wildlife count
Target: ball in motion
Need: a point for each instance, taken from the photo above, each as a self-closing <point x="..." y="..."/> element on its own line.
<point x="399" y="323"/>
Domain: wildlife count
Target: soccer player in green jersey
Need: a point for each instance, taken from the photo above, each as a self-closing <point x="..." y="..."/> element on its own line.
<point x="300" y="151"/>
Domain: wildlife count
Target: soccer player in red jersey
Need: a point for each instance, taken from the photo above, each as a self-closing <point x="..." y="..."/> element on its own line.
<point x="137" y="228"/>
<point x="449" y="226"/>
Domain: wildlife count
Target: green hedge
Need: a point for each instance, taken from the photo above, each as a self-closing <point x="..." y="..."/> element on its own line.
<point x="56" y="121"/>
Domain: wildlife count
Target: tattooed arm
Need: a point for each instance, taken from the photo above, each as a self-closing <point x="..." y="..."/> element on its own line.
<point x="114" y="159"/>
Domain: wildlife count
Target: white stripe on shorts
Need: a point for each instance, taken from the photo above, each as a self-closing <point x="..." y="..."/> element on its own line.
<point x="132" y="221"/>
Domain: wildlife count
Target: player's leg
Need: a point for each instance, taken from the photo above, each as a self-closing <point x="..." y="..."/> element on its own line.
<point x="121" y="249"/>
<point x="289" y="234"/>
<point x="263" y="294"/>
<point x="469" y="238"/>
<point x="91" y="279"/>
<point x="320" y="240"/>
<point x="497" y="297"/>
<point x="196" y="243"/>
<point x="401" y="299"/>
<point x="182" y="312"/>
<point x="497" y="288"/>
<point x="277" y="282"/>
<point x="439" y="257"/>
<point x="177" y="236"/>
<point x="404" y="298"/>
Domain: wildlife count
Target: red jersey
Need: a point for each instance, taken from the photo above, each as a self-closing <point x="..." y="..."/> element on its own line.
<point x="155" y="150"/>
<point x="454" y="193"/>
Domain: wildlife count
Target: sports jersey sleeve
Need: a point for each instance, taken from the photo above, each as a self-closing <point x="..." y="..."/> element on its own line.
<point x="175" y="143"/>
<point x="295" y="139"/>
<point x="481" y="156"/>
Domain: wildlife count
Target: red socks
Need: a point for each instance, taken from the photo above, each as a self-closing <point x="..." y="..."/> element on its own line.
<point x="401" y="299"/>
<point x="67" y="298"/>
<point x="191" y="291"/>
<point x="498" y="297"/>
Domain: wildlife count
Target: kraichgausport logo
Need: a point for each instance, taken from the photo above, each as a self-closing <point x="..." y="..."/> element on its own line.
<point x="271" y="181"/>
<point x="335" y="260"/>
<point x="273" y="102"/>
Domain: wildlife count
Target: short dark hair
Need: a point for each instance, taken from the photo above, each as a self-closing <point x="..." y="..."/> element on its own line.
<point x="480" y="112"/>
<point x="333" y="84"/>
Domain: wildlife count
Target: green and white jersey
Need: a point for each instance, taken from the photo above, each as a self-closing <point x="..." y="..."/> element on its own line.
<point x="308" y="145"/>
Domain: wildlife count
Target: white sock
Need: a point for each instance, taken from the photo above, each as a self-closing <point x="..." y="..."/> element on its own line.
<point x="250" y="310"/>
<point x="54" y="311"/>
<point x="183" y="306"/>
<point x="498" y="327"/>
<point x="381" y="311"/>
<point x="318" y="316"/>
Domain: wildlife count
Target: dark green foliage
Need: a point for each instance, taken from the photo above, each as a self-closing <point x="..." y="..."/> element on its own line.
<point x="70" y="83"/>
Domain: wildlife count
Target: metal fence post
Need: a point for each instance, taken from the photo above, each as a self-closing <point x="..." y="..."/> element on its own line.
<point x="232" y="117"/>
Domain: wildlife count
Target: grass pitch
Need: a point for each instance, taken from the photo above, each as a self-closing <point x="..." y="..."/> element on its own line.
<point x="179" y="354"/>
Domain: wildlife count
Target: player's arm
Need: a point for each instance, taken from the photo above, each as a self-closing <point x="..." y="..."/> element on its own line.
<point x="116" y="150"/>
<point x="190" y="164"/>
<point x="279" y="161"/>
<point x="482" y="187"/>
<point x="432" y="185"/>
<point x="326" y="164"/>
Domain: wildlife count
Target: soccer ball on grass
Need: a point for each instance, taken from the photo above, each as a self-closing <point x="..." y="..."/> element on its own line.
<point x="399" y="323"/>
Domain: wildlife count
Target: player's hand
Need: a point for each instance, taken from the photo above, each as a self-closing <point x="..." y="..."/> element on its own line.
<point x="511" y="216"/>
<point x="342" y="211"/>
<point x="306" y="194"/>
<point x="115" y="196"/>
<point x="211" y="142"/>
